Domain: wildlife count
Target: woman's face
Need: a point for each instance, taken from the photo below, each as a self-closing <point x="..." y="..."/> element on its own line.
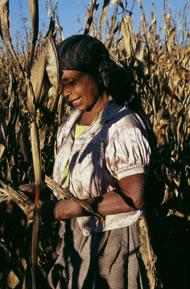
<point x="80" y="89"/>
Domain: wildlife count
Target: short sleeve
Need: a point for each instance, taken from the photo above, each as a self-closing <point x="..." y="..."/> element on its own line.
<point x="128" y="151"/>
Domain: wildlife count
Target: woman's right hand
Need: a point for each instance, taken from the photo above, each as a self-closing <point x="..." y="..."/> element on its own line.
<point x="30" y="190"/>
<point x="30" y="212"/>
<point x="47" y="209"/>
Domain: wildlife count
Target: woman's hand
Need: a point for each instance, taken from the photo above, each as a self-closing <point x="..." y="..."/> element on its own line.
<point x="30" y="190"/>
<point x="32" y="187"/>
<point x="30" y="212"/>
<point x="47" y="211"/>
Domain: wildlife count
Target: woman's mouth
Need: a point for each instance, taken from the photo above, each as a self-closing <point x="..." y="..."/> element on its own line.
<point x="76" y="102"/>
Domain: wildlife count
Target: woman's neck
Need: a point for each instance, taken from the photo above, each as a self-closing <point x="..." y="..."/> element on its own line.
<point x="87" y="117"/>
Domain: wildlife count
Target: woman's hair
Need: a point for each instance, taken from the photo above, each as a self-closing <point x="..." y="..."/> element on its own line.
<point x="88" y="54"/>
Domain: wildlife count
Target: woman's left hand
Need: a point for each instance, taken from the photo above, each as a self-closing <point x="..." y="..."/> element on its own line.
<point x="47" y="211"/>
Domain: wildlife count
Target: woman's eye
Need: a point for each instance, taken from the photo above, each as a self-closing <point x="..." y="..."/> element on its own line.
<point x="68" y="82"/>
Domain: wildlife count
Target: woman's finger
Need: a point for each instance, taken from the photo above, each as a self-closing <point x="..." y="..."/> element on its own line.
<point x="30" y="188"/>
<point x="30" y="212"/>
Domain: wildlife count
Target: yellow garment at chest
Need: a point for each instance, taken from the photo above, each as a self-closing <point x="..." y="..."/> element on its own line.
<point x="79" y="129"/>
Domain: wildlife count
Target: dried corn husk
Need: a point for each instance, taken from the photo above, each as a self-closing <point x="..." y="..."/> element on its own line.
<point x="128" y="35"/>
<point x="52" y="69"/>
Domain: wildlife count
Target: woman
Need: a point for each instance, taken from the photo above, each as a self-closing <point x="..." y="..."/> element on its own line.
<point x="103" y="157"/>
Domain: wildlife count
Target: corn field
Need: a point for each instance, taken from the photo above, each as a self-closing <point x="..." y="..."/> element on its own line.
<point x="31" y="109"/>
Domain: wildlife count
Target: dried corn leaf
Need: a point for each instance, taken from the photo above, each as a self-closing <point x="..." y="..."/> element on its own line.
<point x="148" y="256"/>
<point x="24" y="144"/>
<point x="139" y="51"/>
<point x="3" y="138"/>
<point x="42" y="135"/>
<point x="166" y="195"/>
<point x="112" y="3"/>
<point x="170" y="42"/>
<point x="5" y="30"/>
<point x="104" y="12"/>
<point x="128" y="35"/>
<point x="52" y="69"/>
<point x="45" y="77"/>
<point x="90" y="15"/>
<point x="12" y="280"/>
<point x="4" y="21"/>
<point x="2" y="149"/>
<point x="179" y="130"/>
<point x="140" y="4"/>
<point x="30" y="98"/>
<point x="17" y="196"/>
<point x="60" y="108"/>
<point x="114" y="21"/>
<point x="143" y="20"/>
<point x="7" y="116"/>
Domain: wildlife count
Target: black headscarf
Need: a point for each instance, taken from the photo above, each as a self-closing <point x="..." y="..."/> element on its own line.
<point x="88" y="54"/>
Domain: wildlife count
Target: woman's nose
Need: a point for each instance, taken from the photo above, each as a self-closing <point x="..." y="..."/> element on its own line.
<point x="66" y="92"/>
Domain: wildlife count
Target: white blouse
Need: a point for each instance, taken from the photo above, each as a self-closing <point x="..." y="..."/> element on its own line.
<point x="110" y="149"/>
